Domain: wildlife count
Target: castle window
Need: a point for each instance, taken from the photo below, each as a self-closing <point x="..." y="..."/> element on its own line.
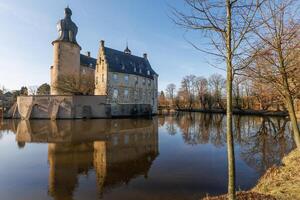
<point x="144" y="81"/>
<point x="135" y="95"/>
<point x="91" y="65"/>
<point x="115" y="93"/>
<point x="102" y="77"/>
<point x="126" y="139"/>
<point x="136" y="80"/>
<point x="96" y="80"/>
<point x="148" y="72"/>
<point x="126" y="93"/>
<point x="126" y="78"/>
<point x="83" y="71"/>
<point x="115" y="77"/>
<point x="115" y="140"/>
<point x="149" y="82"/>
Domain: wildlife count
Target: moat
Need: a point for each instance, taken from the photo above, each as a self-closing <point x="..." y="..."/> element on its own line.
<point x="170" y="157"/>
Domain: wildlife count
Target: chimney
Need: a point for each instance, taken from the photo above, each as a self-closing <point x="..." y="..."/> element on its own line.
<point x="145" y="56"/>
<point x="88" y="54"/>
<point x="102" y="43"/>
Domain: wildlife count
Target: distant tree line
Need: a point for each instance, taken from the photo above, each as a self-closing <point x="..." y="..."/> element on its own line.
<point x="198" y="92"/>
<point x="8" y="98"/>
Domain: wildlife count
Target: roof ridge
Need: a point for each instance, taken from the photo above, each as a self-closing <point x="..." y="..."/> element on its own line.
<point x="124" y="53"/>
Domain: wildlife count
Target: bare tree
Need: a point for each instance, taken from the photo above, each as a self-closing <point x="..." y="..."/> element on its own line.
<point x="162" y="99"/>
<point x="69" y="84"/>
<point x="170" y="91"/>
<point x="217" y="84"/>
<point x="226" y="25"/>
<point x="202" y="90"/>
<point x="32" y="90"/>
<point x="188" y="89"/>
<point x="277" y="53"/>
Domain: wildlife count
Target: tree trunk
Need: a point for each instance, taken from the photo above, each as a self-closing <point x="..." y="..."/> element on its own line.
<point x="288" y="96"/>
<point x="292" y="115"/>
<point x="230" y="143"/>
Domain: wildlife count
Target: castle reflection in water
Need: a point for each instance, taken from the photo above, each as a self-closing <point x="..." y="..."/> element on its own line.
<point x="117" y="150"/>
<point x="117" y="155"/>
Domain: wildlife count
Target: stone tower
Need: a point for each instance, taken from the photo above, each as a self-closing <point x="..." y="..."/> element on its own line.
<point x="66" y="60"/>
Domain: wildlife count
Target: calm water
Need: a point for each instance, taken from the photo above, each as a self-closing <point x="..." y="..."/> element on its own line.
<point x="174" y="157"/>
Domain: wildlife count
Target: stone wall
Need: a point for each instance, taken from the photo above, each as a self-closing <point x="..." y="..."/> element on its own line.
<point x="75" y="107"/>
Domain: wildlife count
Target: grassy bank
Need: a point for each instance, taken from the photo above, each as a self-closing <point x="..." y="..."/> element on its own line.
<point x="280" y="183"/>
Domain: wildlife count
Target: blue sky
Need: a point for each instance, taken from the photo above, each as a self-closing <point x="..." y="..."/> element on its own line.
<point x="28" y="28"/>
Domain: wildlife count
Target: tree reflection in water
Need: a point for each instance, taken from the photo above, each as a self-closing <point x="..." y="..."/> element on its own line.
<point x="263" y="140"/>
<point x="116" y="156"/>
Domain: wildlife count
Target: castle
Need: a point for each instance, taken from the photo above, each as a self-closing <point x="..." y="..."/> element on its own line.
<point x="121" y="76"/>
<point x="117" y="83"/>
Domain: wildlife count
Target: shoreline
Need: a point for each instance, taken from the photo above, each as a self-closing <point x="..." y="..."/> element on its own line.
<point x="278" y="182"/>
<point x="239" y="112"/>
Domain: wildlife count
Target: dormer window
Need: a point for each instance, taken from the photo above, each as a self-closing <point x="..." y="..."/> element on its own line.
<point x="126" y="78"/>
<point x="140" y="70"/>
<point x="115" y="77"/>
<point x="126" y="93"/>
<point x="148" y="72"/>
<point x="115" y="93"/>
<point x="136" y="80"/>
<point x="123" y="67"/>
<point x="134" y="69"/>
<point x="91" y="65"/>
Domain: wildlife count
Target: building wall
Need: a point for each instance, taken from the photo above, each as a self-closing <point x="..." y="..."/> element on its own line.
<point x="75" y="107"/>
<point x="140" y="89"/>
<point x="130" y="88"/>
<point x="66" y="63"/>
<point x="101" y="72"/>
<point x="62" y="107"/>
<point x="87" y="73"/>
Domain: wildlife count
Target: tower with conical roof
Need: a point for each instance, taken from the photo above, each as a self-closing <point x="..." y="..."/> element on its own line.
<point x="66" y="58"/>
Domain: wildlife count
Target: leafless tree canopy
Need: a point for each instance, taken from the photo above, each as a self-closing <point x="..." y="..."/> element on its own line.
<point x="210" y="18"/>
<point x="68" y="84"/>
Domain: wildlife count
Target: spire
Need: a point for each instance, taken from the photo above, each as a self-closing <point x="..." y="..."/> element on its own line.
<point x="127" y="50"/>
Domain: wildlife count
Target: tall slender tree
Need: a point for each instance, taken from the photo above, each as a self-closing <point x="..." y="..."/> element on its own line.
<point x="226" y="24"/>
